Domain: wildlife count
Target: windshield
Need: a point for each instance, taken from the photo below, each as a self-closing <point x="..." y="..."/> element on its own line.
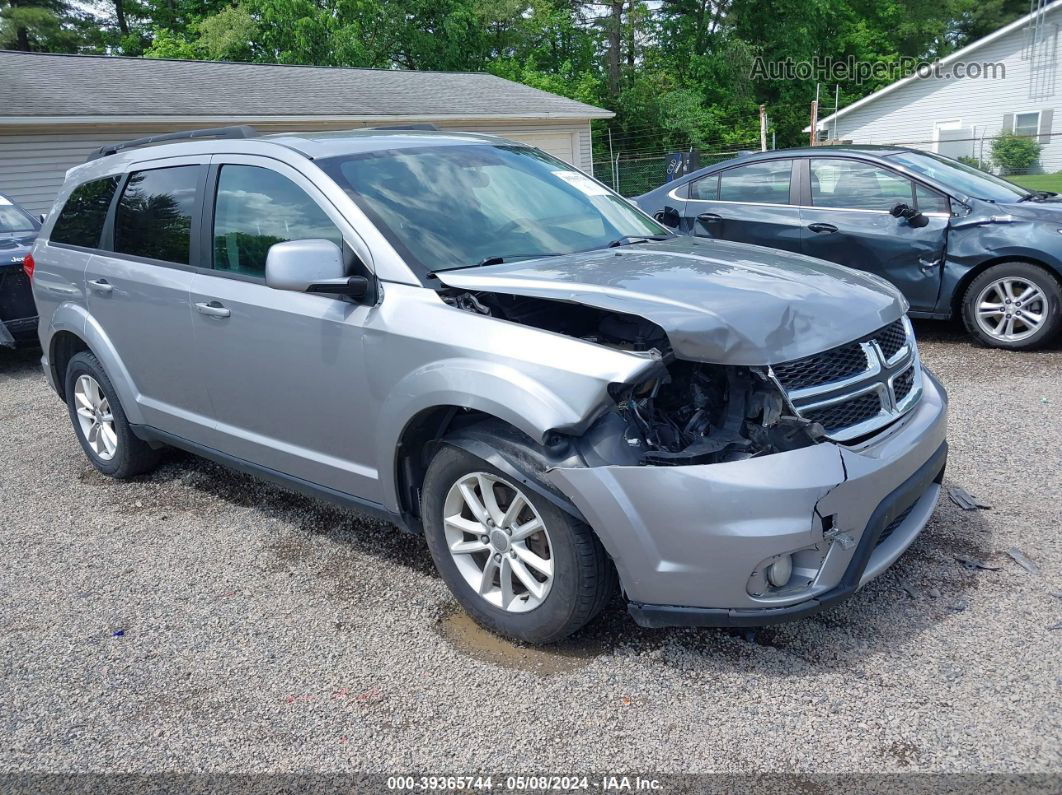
<point x="448" y="207"/>
<point x="961" y="177"/>
<point x="13" y="221"/>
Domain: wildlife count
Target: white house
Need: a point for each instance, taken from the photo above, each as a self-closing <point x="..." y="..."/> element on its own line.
<point x="56" y="109"/>
<point x="1019" y="90"/>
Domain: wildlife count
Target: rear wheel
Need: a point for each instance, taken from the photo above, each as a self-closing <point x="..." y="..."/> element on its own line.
<point x="1013" y="305"/>
<point x="100" y="423"/>
<point x="518" y="564"/>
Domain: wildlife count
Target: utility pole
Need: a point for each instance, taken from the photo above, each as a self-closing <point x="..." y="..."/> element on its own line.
<point x="836" y="107"/>
<point x="611" y="160"/>
<point x="814" y="117"/>
<point x="763" y="128"/>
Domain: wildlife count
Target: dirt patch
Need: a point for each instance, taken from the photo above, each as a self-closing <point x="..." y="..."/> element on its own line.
<point x="468" y="637"/>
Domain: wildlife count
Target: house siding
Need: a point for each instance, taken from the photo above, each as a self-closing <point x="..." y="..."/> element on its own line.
<point x="908" y="115"/>
<point x="33" y="163"/>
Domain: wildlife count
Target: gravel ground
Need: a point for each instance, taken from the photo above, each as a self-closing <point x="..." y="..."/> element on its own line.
<point x="196" y="620"/>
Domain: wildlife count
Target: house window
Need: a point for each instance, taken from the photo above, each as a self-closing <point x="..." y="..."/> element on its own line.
<point x="1027" y="124"/>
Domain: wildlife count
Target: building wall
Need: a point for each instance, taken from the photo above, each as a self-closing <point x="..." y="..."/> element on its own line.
<point x="33" y="162"/>
<point x="910" y="114"/>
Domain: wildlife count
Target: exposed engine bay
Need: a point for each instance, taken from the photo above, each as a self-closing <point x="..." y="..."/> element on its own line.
<point x="685" y="413"/>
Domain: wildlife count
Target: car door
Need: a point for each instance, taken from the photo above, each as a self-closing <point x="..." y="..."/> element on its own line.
<point x="846" y="219"/>
<point x="137" y="290"/>
<point x="285" y="370"/>
<point x="751" y="203"/>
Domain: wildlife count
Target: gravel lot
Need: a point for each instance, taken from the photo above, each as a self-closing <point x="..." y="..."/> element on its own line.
<point x="197" y="620"/>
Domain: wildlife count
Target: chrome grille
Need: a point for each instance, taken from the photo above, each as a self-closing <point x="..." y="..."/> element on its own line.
<point x="903" y="383"/>
<point x="822" y="368"/>
<point x="856" y="388"/>
<point x="846" y="413"/>
<point x="891" y="338"/>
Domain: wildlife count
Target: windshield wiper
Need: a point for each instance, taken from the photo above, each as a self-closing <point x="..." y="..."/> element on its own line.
<point x="1037" y="196"/>
<point x="498" y="259"/>
<point x="631" y="239"/>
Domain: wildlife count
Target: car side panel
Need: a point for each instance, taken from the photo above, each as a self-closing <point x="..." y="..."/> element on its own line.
<point x="422" y="353"/>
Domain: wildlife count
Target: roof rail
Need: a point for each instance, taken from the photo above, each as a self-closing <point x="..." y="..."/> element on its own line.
<point x="430" y="127"/>
<point x="242" y="131"/>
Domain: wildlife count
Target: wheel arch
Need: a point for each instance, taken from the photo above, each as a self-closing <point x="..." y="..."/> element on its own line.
<point x="959" y="293"/>
<point x="500" y="443"/>
<point x="73" y="329"/>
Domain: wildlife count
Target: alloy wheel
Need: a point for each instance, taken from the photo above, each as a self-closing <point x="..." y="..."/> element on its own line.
<point x="498" y="541"/>
<point x="95" y="417"/>
<point x="1011" y="309"/>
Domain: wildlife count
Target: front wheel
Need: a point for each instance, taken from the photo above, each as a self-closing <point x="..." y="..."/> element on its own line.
<point x="517" y="563"/>
<point x="1014" y="305"/>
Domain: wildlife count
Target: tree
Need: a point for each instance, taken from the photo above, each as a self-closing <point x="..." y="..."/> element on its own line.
<point x="38" y="26"/>
<point x="1014" y="153"/>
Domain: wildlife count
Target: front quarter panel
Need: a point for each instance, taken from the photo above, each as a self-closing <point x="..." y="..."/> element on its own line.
<point x="422" y="353"/>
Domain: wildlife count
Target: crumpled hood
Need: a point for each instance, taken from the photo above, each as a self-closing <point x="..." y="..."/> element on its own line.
<point x="1049" y="211"/>
<point x="719" y="302"/>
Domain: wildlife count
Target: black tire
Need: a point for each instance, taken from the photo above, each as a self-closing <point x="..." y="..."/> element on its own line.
<point x="1034" y="274"/>
<point x="583" y="581"/>
<point x="132" y="456"/>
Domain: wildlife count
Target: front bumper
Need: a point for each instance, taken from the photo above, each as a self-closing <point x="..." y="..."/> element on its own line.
<point x="685" y="540"/>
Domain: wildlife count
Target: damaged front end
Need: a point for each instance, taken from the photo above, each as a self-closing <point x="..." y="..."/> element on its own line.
<point x="684" y="413"/>
<point x="732" y="494"/>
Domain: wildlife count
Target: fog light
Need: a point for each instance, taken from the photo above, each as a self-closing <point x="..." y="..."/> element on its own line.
<point x="779" y="572"/>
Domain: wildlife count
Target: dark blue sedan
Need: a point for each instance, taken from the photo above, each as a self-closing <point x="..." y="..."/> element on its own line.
<point x="953" y="239"/>
<point x="18" y="313"/>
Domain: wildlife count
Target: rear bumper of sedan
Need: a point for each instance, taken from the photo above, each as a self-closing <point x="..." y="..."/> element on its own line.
<point x="692" y="544"/>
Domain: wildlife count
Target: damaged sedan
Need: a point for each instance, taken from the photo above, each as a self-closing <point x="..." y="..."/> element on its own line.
<point x="471" y="339"/>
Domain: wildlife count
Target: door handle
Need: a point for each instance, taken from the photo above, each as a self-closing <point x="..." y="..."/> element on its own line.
<point x="709" y="218"/>
<point x="101" y="286"/>
<point x="829" y="228"/>
<point x="926" y="266"/>
<point x="213" y="309"/>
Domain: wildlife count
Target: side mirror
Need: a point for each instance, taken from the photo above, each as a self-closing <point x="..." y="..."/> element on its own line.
<point x="669" y="216"/>
<point x="311" y="266"/>
<point x="909" y="213"/>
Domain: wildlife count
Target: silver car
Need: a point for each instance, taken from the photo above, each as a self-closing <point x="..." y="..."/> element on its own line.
<point x="486" y="346"/>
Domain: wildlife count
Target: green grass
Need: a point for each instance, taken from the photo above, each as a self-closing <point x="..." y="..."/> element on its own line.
<point x="1051" y="182"/>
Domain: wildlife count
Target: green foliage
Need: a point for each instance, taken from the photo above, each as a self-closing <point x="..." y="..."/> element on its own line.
<point x="972" y="162"/>
<point x="1012" y="152"/>
<point x="677" y="73"/>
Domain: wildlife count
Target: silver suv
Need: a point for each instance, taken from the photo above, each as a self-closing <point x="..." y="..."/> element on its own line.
<point x="485" y="346"/>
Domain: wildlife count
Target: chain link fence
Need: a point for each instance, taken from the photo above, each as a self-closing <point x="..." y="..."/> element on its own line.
<point x="635" y="175"/>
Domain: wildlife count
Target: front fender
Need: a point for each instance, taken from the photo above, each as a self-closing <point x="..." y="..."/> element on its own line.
<point x="493" y="388"/>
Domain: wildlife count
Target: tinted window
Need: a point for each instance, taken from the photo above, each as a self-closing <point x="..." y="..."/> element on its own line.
<point x="763" y="183"/>
<point x="706" y="188"/>
<point x="929" y="201"/>
<point x="256" y="208"/>
<point x="80" y="222"/>
<point x="154" y="217"/>
<point x="857" y="186"/>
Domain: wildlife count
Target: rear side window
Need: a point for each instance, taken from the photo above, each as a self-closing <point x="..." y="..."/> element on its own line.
<point x="706" y="188"/>
<point x="80" y="222"/>
<point x="257" y="207"/>
<point x="154" y="217"/>
<point x="757" y="183"/>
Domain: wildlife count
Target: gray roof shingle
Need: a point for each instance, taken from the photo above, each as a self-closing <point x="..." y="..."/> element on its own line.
<point x="39" y="84"/>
